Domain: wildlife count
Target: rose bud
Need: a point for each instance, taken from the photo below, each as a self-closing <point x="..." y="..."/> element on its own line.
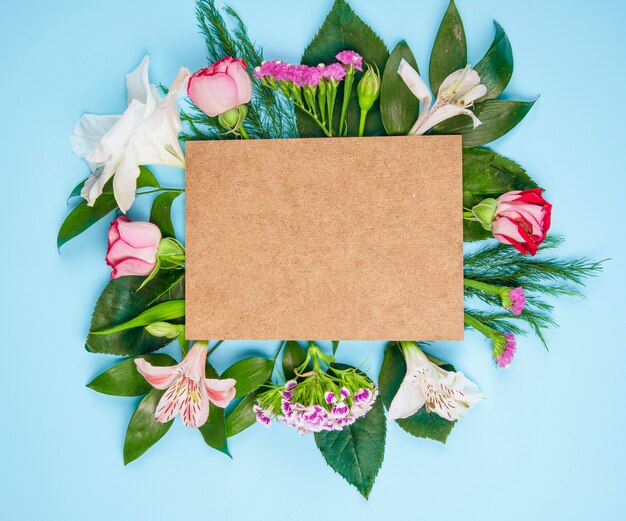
<point x="132" y="247"/>
<point x="520" y="218"/>
<point x="220" y="87"/>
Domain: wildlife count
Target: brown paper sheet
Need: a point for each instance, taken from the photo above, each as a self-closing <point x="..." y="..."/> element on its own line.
<point x="326" y="239"/>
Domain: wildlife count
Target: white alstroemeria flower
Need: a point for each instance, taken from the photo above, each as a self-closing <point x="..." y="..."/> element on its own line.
<point x="145" y="134"/>
<point x="446" y="393"/>
<point x="456" y="95"/>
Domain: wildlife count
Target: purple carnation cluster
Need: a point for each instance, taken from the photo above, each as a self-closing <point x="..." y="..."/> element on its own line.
<point x="337" y="412"/>
<point x="305" y="75"/>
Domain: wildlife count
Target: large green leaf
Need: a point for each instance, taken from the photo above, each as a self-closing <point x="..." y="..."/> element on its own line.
<point x="422" y="424"/>
<point x="120" y="301"/>
<point x="161" y="213"/>
<point x="143" y="430"/>
<point x="343" y="29"/>
<point x="497" y="117"/>
<point x="250" y="373"/>
<point x="83" y="217"/>
<point x="450" y="49"/>
<point x="398" y="105"/>
<point x="162" y="312"/>
<point x="123" y="379"/>
<point x="242" y="416"/>
<point x="293" y="357"/>
<point x="356" y="452"/>
<point x="488" y="174"/>
<point x="214" y="430"/>
<point x="496" y="67"/>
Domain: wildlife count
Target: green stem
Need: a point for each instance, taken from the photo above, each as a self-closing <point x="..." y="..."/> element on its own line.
<point x="479" y="326"/>
<point x="347" y="90"/>
<point x="161" y="189"/>
<point x="362" y="122"/>
<point x="243" y="133"/>
<point x="314" y="117"/>
<point x="482" y="286"/>
<point x="280" y="348"/>
<point x="219" y="343"/>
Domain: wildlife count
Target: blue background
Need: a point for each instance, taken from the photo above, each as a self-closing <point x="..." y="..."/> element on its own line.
<point x="546" y="444"/>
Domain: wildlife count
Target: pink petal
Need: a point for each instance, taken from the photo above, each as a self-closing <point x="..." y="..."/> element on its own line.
<point x="114" y="234"/>
<point x="220" y="392"/>
<point x="238" y="73"/>
<point x="213" y="95"/>
<point x="139" y="234"/>
<point x="157" y="377"/>
<point x="131" y="267"/>
<point x="121" y="251"/>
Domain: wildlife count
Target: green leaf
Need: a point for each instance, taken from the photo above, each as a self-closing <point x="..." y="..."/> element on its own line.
<point x="120" y="301"/>
<point x="143" y="430"/>
<point x="488" y="174"/>
<point x="356" y="452"/>
<point x="242" y="416"/>
<point x="335" y="346"/>
<point x="214" y="430"/>
<point x="496" y="67"/>
<point x="450" y="49"/>
<point x="161" y="312"/>
<point x="123" y="379"/>
<point x="398" y="105"/>
<point x="293" y="356"/>
<point x="161" y="213"/>
<point x="250" y="373"/>
<point x="422" y="424"/>
<point x="83" y="217"/>
<point x="343" y="29"/>
<point x="497" y="117"/>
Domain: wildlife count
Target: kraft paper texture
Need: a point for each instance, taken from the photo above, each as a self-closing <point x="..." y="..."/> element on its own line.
<point x="325" y="239"/>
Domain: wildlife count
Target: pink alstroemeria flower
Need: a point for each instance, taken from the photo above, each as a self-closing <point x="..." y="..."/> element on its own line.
<point x="187" y="390"/>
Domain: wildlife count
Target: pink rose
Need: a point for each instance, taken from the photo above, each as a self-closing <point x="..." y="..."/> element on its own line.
<point x="132" y="247"/>
<point x="522" y="219"/>
<point x="221" y="86"/>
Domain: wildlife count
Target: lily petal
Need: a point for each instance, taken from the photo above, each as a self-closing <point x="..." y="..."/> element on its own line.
<point x="420" y="90"/>
<point x="443" y="113"/>
<point x="88" y="133"/>
<point x="220" y="392"/>
<point x="125" y="179"/>
<point x="138" y="86"/>
<point x="157" y="377"/>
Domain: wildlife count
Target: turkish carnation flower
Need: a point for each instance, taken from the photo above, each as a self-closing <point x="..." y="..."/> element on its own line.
<point x="334" y="71"/>
<point x="446" y="393"/>
<point x="320" y="401"/>
<point x="504" y="350"/>
<point x="351" y="58"/>
<point x="187" y="390"/>
<point x="513" y="300"/>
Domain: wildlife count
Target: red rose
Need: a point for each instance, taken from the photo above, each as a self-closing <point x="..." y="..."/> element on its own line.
<point x="522" y="219"/>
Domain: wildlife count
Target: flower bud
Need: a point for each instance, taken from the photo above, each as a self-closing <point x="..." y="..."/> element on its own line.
<point x="132" y="247"/>
<point x="232" y="119"/>
<point x="485" y="212"/>
<point x="171" y="253"/>
<point x="368" y="89"/>
<point x="165" y="329"/>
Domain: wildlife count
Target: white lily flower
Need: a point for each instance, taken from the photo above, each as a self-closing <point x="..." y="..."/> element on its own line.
<point x="446" y="393"/>
<point x="145" y="134"/>
<point x="455" y="97"/>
